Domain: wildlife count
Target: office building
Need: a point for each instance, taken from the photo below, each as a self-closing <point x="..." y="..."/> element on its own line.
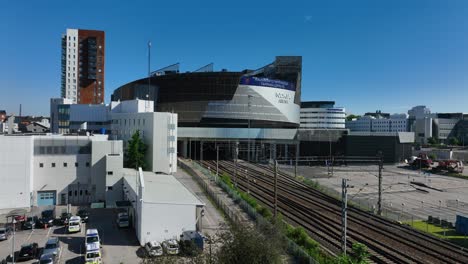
<point x="379" y="123"/>
<point x="83" y="57"/>
<point x="322" y="115"/>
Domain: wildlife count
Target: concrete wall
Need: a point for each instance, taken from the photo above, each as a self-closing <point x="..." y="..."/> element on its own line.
<point x="100" y="150"/>
<point x="156" y="132"/>
<point x="166" y="221"/>
<point x="58" y="178"/>
<point x="15" y="172"/>
<point x="114" y="181"/>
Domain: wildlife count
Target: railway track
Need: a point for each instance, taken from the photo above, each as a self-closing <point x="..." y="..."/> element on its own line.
<point x="320" y="215"/>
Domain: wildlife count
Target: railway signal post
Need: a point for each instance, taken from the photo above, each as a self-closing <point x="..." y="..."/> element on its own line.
<point x="275" y="211"/>
<point x="379" y="202"/>
<point x="344" y="209"/>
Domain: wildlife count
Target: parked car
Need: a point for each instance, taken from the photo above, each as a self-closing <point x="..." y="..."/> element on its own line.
<point x="28" y="251"/>
<point x="48" y="259"/>
<point x="191" y="243"/>
<point x="74" y="224"/>
<point x="93" y="254"/>
<point x="123" y="220"/>
<point x="153" y="249"/>
<point x="63" y="220"/>
<point x="48" y="217"/>
<point x="84" y="215"/>
<point x="20" y="218"/>
<point x="5" y="233"/>
<point x="52" y="247"/>
<point x="92" y="237"/>
<point x="30" y="222"/>
<point x="171" y="247"/>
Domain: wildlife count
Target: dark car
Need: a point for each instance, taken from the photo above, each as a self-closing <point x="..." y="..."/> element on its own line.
<point x="30" y="222"/>
<point x="63" y="220"/>
<point x="28" y="251"/>
<point x="84" y="215"/>
<point x="48" y="217"/>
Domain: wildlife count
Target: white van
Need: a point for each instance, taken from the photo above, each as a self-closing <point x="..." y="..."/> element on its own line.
<point x="92" y="237"/>
<point x="74" y="224"/>
<point x="93" y="254"/>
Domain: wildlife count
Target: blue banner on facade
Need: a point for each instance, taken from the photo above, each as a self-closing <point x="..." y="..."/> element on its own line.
<point x="251" y="80"/>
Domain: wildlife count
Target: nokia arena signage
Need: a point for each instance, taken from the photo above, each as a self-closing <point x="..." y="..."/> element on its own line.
<point x="279" y="94"/>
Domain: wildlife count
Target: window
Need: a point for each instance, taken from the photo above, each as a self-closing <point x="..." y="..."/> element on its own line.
<point x="69" y="193"/>
<point x="86" y="192"/>
<point x="76" y="193"/>
<point x="87" y="164"/>
<point x="41" y="165"/>
<point x="65" y="164"/>
<point x="109" y="188"/>
<point x="53" y="165"/>
<point x="76" y="164"/>
<point x="110" y="173"/>
<point x="81" y="192"/>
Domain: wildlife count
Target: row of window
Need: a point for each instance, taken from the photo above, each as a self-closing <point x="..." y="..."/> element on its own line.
<point x="124" y="122"/>
<point x="65" y="165"/>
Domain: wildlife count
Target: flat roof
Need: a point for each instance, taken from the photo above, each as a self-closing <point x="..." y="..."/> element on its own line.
<point x="162" y="188"/>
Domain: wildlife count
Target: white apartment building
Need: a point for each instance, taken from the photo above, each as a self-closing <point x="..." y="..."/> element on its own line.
<point x="70" y="67"/>
<point x="321" y="115"/>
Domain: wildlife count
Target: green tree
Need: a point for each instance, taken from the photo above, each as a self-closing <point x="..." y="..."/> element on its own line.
<point x="432" y="141"/>
<point x="351" y="117"/>
<point x="454" y="141"/>
<point x="135" y="152"/>
<point x="361" y="253"/>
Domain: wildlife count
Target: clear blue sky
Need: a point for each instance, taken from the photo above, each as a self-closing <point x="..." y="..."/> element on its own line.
<point x="365" y="55"/>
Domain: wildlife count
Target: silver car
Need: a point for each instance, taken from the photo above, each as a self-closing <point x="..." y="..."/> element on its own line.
<point x="48" y="259"/>
<point x="5" y="233"/>
<point x="52" y="247"/>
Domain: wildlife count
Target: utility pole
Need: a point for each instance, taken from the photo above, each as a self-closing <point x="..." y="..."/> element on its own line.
<point x="275" y="211"/>
<point x="344" y="209"/>
<point x="217" y="161"/>
<point x="248" y="140"/>
<point x="297" y="159"/>
<point x="235" y="163"/>
<point x="379" y="202"/>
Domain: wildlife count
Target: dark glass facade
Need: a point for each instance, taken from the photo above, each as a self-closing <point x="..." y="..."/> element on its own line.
<point x="219" y="99"/>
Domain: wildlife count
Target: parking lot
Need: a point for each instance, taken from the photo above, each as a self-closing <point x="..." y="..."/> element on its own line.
<point x="119" y="245"/>
<point x="435" y="195"/>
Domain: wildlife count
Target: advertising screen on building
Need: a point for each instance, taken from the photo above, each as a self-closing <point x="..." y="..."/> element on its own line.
<point x="257" y="81"/>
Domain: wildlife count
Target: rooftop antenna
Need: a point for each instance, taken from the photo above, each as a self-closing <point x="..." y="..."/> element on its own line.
<point x="149" y="75"/>
<point x="20" y="111"/>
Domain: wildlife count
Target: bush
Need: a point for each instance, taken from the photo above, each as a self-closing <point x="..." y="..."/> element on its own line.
<point x="249" y="199"/>
<point x="263" y="211"/>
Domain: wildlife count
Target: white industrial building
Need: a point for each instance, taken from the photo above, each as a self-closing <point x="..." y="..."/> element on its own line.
<point x="121" y="120"/>
<point x="42" y="170"/>
<point x="322" y="115"/>
<point x="161" y="207"/>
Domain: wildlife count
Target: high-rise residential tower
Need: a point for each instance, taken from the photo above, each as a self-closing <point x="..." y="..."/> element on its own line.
<point x="83" y="66"/>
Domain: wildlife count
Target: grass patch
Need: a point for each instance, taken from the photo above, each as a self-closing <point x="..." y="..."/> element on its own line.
<point x="448" y="234"/>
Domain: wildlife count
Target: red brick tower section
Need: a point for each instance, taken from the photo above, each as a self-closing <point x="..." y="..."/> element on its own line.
<point x="91" y="55"/>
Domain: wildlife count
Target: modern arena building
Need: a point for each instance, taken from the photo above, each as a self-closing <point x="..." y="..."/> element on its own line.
<point x="249" y="109"/>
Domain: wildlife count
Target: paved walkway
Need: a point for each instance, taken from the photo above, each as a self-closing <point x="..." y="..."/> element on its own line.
<point x="213" y="219"/>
